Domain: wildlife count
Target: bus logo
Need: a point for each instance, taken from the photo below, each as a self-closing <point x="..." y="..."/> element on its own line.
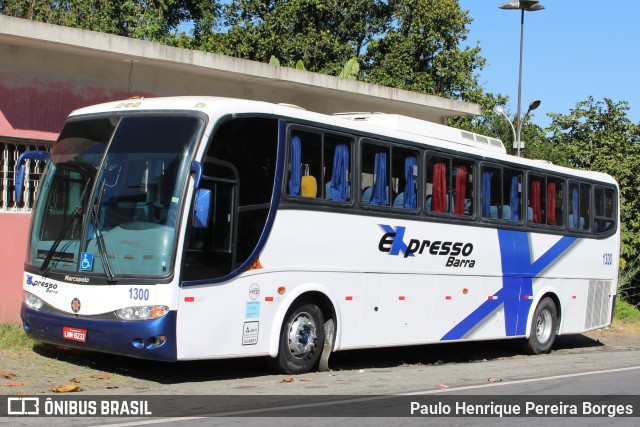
<point x="75" y="305"/>
<point x="457" y="253"/>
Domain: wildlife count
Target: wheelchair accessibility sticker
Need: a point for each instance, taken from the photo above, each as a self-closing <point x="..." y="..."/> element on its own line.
<point x="86" y="261"/>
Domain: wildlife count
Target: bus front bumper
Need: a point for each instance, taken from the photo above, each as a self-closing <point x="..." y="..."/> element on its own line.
<point x="145" y="339"/>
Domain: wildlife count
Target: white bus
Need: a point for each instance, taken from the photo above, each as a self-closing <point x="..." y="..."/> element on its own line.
<point x="201" y="228"/>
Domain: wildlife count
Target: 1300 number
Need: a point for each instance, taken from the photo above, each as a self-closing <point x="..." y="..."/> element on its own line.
<point x="139" y="294"/>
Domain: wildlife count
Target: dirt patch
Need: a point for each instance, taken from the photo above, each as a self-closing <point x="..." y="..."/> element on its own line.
<point x="617" y="328"/>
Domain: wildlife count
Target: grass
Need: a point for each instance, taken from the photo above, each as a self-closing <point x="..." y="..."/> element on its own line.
<point x="13" y="337"/>
<point x="627" y="312"/>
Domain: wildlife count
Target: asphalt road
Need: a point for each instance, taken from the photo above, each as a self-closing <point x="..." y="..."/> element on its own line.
<point x="593" y="368"/>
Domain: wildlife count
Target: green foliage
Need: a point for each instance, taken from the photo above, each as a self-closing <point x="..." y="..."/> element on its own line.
<point x="300" y="65"/>
<point x="13" y="337"/>
<point x="626" y="311"/>
<point x="350" y="70"/>
<point x="274" y="61"/>
<point x="157" y="20"/>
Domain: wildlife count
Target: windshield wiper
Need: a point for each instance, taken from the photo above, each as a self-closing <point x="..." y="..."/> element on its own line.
<point x="77" y="211"/>
<point x="102" y="249"/>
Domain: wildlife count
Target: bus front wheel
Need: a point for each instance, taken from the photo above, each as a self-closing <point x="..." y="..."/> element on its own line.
<point x="543" y="327"/>
<point x="301" y="339"/>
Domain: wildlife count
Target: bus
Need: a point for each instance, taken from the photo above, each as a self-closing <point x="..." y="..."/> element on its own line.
<point x="203" y="228"/>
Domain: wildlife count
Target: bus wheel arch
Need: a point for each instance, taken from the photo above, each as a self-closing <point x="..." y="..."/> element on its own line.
<point x="306" y="335"/>
<point x="544" y="325"/>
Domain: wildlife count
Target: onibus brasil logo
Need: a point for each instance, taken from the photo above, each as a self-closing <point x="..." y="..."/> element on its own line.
<point x="456" y="253"/>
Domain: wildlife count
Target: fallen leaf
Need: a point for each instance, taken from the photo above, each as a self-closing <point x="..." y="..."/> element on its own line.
<point x="306" y="380"/>
<point x="109" y="387"/>
<point x="286" y="380"/>
<point x="74" y="380"/>
<point x="494" y="380"/>
<point x="69" y="388"/>
<point x="101" y="376"/>
<point x="443" y="386"/>
<point x="13" y="384"/>
<point x="7" y="374"/>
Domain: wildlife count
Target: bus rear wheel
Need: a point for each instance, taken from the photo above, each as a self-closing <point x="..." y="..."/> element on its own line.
<point x="543" y="327"/>
<point x="301" y="340"/>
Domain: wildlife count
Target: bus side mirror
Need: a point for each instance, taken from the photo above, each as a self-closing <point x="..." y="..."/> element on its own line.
<point x="19" y="180"/>
<point x="201" y="209"/>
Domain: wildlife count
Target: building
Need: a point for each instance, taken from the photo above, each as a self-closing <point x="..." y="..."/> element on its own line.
<point x="47" y="71"/>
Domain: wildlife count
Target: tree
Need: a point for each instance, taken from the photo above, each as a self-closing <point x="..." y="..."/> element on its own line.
<point x="323" y="34"/>
<point x="153" y="20"/>
<point x="419" y="50"/>
<point x="598" y="135"/>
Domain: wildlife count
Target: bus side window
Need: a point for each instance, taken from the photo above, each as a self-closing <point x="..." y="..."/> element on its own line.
<point x="375" y="175"/>
<point x="305" y="164"/>
<point x="491" y="196"/>
<point x="404" y="179"/>
<point x="438" y="185"/>
<point x="555" y="204"/>
<point x="462" y="187"/>
<point x="512" y="196"/>
<point x="604" y="210"/>
<point x="537" y="206"/>
<point x="579" y="202"/>
<point x="337" y="168"/>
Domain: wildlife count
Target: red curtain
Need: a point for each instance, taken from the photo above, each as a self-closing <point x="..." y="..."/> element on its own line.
<point x="551" y="203"/>
<point x="534" y="201"/>
<point x="439" y="202"/>
<point x="461" y="189"/>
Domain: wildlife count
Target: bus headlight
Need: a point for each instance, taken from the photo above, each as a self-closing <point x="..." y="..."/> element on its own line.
<point x="31" y="300"/>
<point x="142" y="313"/>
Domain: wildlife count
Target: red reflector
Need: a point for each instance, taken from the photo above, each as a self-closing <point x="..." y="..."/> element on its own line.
<point x="447" y="297"/>
<point x="401" y="298"/>
<point x="492" y="297"/>
<point x="268" y="298"/>
<point x="189" y="299"/>
<point x="349" y="298"/>
<point x="527" y="297"/>
<point x="574" y="297"/>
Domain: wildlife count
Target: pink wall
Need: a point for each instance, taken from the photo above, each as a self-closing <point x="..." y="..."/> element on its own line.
<point x="14" y="228"/>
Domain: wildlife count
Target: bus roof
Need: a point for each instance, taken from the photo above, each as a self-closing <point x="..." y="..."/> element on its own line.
<point x="380" y="124"/>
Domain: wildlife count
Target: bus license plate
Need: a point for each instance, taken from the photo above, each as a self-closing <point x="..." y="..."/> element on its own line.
<point x="74" y="334"/>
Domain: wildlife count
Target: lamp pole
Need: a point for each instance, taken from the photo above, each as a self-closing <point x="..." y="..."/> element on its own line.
<point x="523" y="6"/>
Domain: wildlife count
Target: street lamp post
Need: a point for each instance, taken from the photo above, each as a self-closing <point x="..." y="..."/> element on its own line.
<point x="498" y="109"/>
<point x="523" y="6"/>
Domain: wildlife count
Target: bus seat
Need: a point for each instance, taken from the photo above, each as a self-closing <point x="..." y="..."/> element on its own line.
<point x="506" y="212"/>
<point x="327" y="191"/>
<point x="398" y="202"/>
<point x="571" y="222"/>
<point x="366" y="195"/>
<point x="530" y="213"/>
<point x="493" y="212"/>
<point x="309" y="186"/>
<point x="427" y="204"/>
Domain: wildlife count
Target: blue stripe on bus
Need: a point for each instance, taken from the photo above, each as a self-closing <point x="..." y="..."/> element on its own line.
<point x="518" y="273"/>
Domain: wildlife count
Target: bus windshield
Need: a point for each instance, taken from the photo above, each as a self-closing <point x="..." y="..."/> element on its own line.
<point x="110" y="199"/>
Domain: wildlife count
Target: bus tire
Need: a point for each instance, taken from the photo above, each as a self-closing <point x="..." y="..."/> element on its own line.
<point x="543" y="327"/>
<point x="301" y="339"/>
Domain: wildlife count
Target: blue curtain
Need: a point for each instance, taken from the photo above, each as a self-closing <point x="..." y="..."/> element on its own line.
<point x="514" y="200"/>
<point x="294" y="177"/>
<point x="574" y="206"/>
<point x="410" y="187"/>
<point x="486" y="193"/>
<point x="339" y="184"/>
<point x="380" y="197"/>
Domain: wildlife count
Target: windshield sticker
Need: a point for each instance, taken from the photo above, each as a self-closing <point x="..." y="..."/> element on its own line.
<point x="252" y="310"/>
<point x="86" y="263"/>
<point x="250" y="333"/>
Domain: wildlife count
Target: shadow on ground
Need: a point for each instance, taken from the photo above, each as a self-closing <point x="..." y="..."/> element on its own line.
<point x="211" y="370"/>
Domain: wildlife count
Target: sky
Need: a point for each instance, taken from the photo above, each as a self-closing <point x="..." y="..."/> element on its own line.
<point x="573" y="49"/>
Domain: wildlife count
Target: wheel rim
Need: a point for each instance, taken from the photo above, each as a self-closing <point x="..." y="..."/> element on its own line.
<point x="543" y="326"/>
<point x="302" y="335"/>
